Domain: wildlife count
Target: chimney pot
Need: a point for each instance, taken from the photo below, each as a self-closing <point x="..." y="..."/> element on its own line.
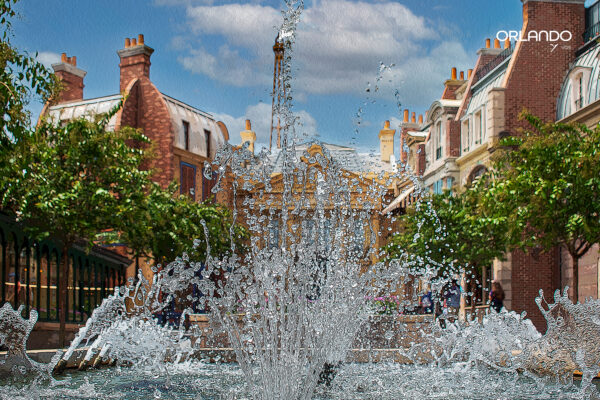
<point x="507" y="43"/>
<point x="469" y="73"/>
<point x="462" y="75"/>
<point x="406" y="115"/>
<point x="71" y="78"/>
<point x="136" y="67"/>
<point x="496" y="43"/>
<point x="413" y="117"/>
<point x="420" y="118"/>
<point x="248" y="136"/>
<point x="386" y="142"/>
<point x="454" y="73"/>
<point x="140" y="39"/>
<point x="487" y="43"/>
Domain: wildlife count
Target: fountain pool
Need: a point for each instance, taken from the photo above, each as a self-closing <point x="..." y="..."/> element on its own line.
<point x="354" y="381"/>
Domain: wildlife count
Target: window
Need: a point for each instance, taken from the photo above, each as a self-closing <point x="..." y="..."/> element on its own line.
<point x="438" y="132"/>
<point x="207" y="142"/>
<point x="308" y="232"/>
<point x="359" y="235"/>
<point x="438" y="187"/>
<point x="579" y="92"/>
<point x="273" y="240"/>
<point x="592" y="22"/>
<point x="449" y="183"/>
<point x="186" y="135"/>
<point x="477" y="125"/>
<point x="208" y="184"/>
<point x="187" y="179"/>
<point x="466" y="136"/>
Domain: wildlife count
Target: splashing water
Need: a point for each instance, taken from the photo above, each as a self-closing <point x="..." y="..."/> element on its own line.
<point x="297" y="300"/>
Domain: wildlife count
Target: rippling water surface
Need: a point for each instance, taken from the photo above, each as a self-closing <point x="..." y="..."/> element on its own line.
<point x="354" y="381"/>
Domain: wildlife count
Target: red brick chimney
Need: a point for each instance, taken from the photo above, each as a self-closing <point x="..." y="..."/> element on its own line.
<point x="135" y="61"/>
<point x="70" y="77"/>
<point x="452" y="84"/>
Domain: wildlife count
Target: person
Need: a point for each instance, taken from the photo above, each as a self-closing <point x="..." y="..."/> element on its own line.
<point x="452" y="297"/>
<point x="426" y="303"/>
<point x="496" y="296"/>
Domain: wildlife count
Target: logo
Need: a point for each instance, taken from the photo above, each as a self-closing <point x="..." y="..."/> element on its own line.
<point x="553" y="37"/>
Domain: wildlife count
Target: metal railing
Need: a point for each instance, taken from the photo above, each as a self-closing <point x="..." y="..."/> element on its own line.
<point x="591" y="32"/>
<point x="487" y="68"/>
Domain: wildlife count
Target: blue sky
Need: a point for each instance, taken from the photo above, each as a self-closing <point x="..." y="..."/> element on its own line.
<point x="217" y="56"/>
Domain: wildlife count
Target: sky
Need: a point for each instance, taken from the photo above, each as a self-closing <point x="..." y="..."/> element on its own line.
<point x="217" y="55"/>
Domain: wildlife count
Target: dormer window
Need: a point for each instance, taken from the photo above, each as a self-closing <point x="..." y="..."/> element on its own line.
<point x="579" y="80"/>
<point x="186" y="135"/>
<point x="579" y="92"/>
<point x="207" y="139"/>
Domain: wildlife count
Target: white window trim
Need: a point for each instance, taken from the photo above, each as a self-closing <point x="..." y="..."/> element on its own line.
<point x="574" y="75"/>
<point x="465" y="137"/>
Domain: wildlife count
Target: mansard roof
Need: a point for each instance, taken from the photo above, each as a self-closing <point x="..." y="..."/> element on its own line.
<point x="347" y="157"/>
<point x="179" y="111"/>
<point x="588" y="62"/>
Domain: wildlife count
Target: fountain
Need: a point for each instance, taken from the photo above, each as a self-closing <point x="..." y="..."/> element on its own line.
<point x="293" y="308"/>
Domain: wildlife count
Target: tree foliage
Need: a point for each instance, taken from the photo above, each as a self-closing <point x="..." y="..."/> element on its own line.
<point x="75" y="180"/>
<point x="545" y="186"/>
<point x="81" y="181"/>
<point x="22" y="78"/>
<point x="450" y="229"/>
<point x="171" y="225"/>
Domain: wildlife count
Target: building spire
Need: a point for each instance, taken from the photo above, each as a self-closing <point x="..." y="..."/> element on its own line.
<point x="278" y="91"/>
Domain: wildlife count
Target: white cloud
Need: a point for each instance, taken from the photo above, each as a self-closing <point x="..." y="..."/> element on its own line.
<point x="260" y="117"/>
<point x="240" y="72"/>
<point x="48" y="58"/>
<point x="339" y="46"/>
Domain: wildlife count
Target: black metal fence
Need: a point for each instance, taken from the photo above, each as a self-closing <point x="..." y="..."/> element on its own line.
<point x="30" y="275"/>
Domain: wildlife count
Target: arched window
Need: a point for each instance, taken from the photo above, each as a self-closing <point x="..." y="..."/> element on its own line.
<point x="476" y="172"/>
<point x="579" y="78"/>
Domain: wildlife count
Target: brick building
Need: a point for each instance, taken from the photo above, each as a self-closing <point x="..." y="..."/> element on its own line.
<point x="452" y="146"/>
<point x="579" y="101"/>
<point x="185" y="137"/>
<point x="362" y="175"/>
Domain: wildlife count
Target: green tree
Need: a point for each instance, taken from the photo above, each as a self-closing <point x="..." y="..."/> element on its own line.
<point x="72" y="182"/>
<point x="545" y="186"/>
<point x="81" y="182"/>
<point x="451" y="230"/>
<point x="21" y="79"/>
<point x="170" y="224"/>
